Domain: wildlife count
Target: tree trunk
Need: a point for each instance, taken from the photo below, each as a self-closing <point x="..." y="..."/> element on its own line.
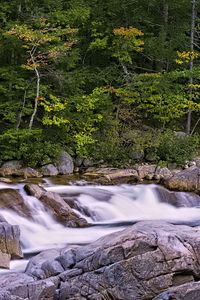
<point x="193" y="17"/>
<point x="37" y="90"/>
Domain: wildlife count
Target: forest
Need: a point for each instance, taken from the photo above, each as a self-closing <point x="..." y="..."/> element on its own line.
<point x="114" y="81"/>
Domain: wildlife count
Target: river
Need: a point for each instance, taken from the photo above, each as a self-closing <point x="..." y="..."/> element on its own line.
<point x="106" y="208"/>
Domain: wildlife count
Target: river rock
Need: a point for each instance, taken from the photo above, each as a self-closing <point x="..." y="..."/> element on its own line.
<point x="9" y="244"/>
<point x="49" y="170"/>
<point x="60" y="209"/>
<point x="31" y="173"/>
<point x="11" y="199"/>
<point x="185" y="180"/>
<point x="162" y="173"/>
<point x="122" y="173"/>
<point x="11" y="168"/>
<point x="178" y="199"/>
<point x="114" y="175"/>
<point x="65" y="164"/>
<point x="146" y="171"/>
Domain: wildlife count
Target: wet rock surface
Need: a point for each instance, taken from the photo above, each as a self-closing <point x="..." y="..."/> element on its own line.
<point x="60" y="209"/>
<point x="185" y="180"/>
<point x="9" y="244"/>
<point x="178" y="199"/>
<point x="149" y="260"/>
<point x="11" y="199"/>
<point x="136" y="174"/>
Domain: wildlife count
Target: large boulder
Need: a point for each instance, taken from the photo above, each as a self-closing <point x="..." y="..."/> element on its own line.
<point x="65" y="164"/>
<point x="11" y="168"/>
<point x="185" y="180"/>
<point x="49" y="170"/>
<point x="11" y="199"/>
<point x="9" y="244"/>
<point x="137" y="263"/>
<point x="60" y="209"/>
<point x="149" y="260"/>
<point x="15" y="168"/>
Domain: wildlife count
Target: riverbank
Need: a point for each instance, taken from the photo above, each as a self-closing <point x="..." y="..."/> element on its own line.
<point x="180" y="179"/>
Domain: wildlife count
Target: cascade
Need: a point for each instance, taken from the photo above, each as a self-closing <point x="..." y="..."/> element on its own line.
<point x="106" y="208"/>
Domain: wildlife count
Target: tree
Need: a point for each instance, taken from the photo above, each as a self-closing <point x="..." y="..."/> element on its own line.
<point x="43" y="45"/>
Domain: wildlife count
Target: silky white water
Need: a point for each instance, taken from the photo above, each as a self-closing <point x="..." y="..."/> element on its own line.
<point x="108" y="205"/>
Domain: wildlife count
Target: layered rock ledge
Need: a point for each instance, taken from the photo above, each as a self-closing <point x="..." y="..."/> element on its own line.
<point x="149" y="260"/>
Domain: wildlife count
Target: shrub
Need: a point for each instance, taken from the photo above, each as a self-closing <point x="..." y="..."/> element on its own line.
<point x="30" y="146"/>
<point x="177" y="149"/>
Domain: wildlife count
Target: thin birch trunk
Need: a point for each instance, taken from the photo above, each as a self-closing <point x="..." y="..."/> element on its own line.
<point x="37" y="90"/>
<point x="189" y="117"/>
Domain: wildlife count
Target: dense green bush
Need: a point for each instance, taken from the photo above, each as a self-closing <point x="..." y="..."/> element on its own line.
<point x="163" y="147"/>
<point x="178" y="149"/>
<point x="30" y="146"/>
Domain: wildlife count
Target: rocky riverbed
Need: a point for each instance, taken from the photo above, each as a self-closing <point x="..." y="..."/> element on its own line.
<point x="149" y="260"/>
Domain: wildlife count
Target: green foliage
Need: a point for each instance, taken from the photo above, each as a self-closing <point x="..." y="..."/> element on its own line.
<point x="30" y="146"/>
<point x="178" y="149"/>
<point x="95" y="99"/>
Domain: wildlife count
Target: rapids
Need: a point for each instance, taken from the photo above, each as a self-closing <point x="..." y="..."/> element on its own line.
<point x="106" y="208"/>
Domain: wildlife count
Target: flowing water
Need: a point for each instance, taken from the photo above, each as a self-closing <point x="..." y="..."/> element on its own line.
<point x="106" y="208"/>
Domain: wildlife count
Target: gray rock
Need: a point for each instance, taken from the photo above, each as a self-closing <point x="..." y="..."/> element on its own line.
<point x="149" y="260"/>
<point x="137" y="263"/>
<point x="49" y="170"/>
<point x="65" y="164"/>
<point x="22" y="286"/>
<point x="197" y="161"/>
<point x="35" y="266"/>
<point x="9" y="244"/>
<point x="185" y="180"/>
<point x="188" y="291"/>
<point x="162" y="173"/>
<point x="145" y="171"/>
<point x="11" y="168"/>
<point x="122" y="174"/>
